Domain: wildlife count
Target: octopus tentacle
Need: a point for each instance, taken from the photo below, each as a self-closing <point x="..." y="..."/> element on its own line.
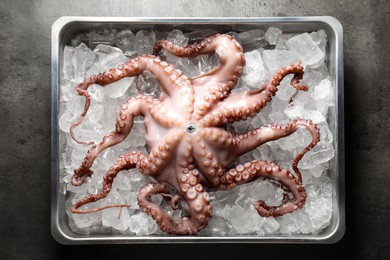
<point x="229" y="50"/>
<point x="217" y="139"/>
<point x="124" y="123"/>
<point x="220" y="80"/>
<point x="125" y="162"/>
<point x="161" y="155"/>
<point x="263" y="169"/>
<point x="200" y="209"/>
<point x="242" y="105"/>
<point x="257" y="137"/>
<point x="208" y="162"/>
<point x="170" y="80"/>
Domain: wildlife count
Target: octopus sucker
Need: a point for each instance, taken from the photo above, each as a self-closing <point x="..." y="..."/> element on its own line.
<point x="188" y="145"/>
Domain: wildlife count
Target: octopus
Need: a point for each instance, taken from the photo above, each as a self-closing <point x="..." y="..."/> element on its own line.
<point x="189" y="148"/>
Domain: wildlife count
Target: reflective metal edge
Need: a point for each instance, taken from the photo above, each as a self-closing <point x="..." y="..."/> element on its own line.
<point x="62" y="236"/>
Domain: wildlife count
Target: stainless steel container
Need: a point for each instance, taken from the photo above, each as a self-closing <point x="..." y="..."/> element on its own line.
<point x="66" y="27"/>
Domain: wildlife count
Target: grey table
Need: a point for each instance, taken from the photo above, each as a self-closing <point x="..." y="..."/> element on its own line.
<point x="25" y="126"/>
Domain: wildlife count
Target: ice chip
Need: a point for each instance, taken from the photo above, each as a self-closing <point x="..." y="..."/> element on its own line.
<point x="276" y="59"/>
<point x="125" y="41"/>
<point x="177" y="37"/>
<point x="307" y="49"/>
<point x="254" y="70"/>
<point x="148" y="84"/>
<point x="320" y="38"/>
<point x="77" y="61"/>
<point x="119" y="88"/>
<point x="297" y="110"/>
<point x="187" y="67"/>
<point x="68" y="68"/>
<point x="272" y="35"/>
<point x="117" y="218"/>
<point x="122" y="181"/>
<point x="254" y="62"/>
<point x="251" y="40"/>
<point x="144" y="42"/>
<point x="320" y="212"/>
<point x="142" y="225"/>
<point x="321" y="153"/>
<point x="105" y="37"/>
<point x="66" y="120"/>
<point x="271" y="225"/>
<point x="216" y="227"/>
<point x="323" y="90"/>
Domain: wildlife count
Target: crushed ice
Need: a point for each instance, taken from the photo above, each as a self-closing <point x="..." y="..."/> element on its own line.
<point x="234" y="213"/>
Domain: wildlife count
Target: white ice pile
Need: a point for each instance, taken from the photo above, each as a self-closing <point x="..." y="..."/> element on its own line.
<point x="234" y="213"/>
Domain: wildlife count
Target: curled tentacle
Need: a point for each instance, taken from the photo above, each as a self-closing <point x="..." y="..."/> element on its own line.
<point x="257" y="137"/>
<point x="216" y="84"/>
<point x="132" y="108"/>
<point x="174" y="200"/>
<point x="125" y="162"/>
<point x="263" y="169"/>
<point x="242" y="105"/>
<point x="200" y="210"/>
<point x="169" y="78"/>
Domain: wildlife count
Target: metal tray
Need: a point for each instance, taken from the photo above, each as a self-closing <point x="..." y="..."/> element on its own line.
<point x="66" y="27"/>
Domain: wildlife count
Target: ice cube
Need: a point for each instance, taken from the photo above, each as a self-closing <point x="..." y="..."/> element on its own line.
<point x="266" y="191"/>
<point x="87" y="220"/>
<point x="320" y="38"/>
<point x="142" y="225"/>
<point x="320" y="212"/>
<point x="80" y="38"/>
<point x="254" y="70"/>
<point x="321" y="153"/>
<point x="272" y="35"/>
<point x="216" y="227"/>
<point x="326" y="134"/>
<point x="125" y="41"/>
<point x="177" y="37"/>
<point x="66" y="120"/>
<point x="313" y="76"/>
<point x="281" y="45"/>
<point x="270" y="225"/>
<point x="83" y="220"/>
<point x="323" y="93"/>
<point x="119" y="88"/>
<point x="68" y="67"/>
<point x="317" y="170"/>
<point x="105" y="37"/>
<point x="77" y="61"/>
<point x="203" y="63"/>
<point x="108" y="57"/>
<point x="148" y="84"/>
<point x="122" y="181"/>
<point x="144" y="42"/>
<point x="276" y="59"/>
<point x="187" y="67"/>
<point x="251" y="40"/>
<point x="307" y="49"/>
<point x="297" y="110"/>
<point x="254" y="62"/>
<point x="117" y="218"/>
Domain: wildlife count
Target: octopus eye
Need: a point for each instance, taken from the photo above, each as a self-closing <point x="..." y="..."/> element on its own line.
<point x="191" y="128"/>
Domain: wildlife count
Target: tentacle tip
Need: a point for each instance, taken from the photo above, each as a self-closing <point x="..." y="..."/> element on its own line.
<point x="263" y="209"/>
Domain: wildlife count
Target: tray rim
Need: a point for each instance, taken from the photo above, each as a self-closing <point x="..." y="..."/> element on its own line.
<point x="338" y="228"/>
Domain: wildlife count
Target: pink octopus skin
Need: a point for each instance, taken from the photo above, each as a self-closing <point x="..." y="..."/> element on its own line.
<point x="187" y="138"/>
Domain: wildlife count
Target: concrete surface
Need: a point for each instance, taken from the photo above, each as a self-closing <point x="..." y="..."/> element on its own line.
<point x="25" y="126"/>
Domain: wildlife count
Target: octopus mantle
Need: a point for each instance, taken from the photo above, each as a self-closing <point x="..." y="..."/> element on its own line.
<point x="186" y="135"/>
